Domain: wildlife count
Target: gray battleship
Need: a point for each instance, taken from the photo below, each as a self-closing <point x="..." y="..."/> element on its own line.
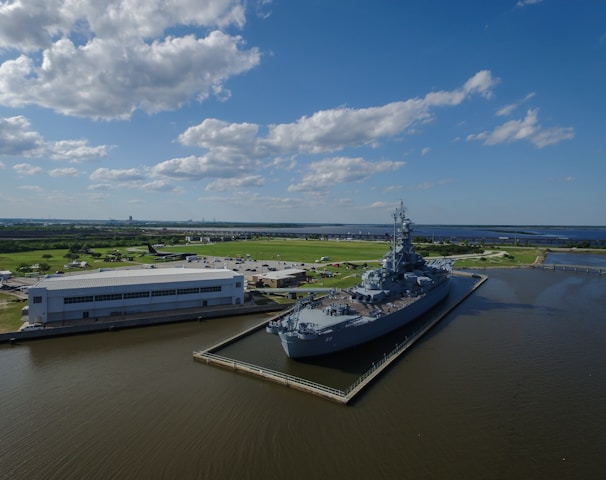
<point x="400" y="291"/>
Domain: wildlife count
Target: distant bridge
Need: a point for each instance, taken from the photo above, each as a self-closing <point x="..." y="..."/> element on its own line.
<point x="245" y="234"/>
<point x="601" y="270"/>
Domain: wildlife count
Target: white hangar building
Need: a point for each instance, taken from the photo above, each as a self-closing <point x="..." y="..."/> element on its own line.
<point x="124" y="292"/>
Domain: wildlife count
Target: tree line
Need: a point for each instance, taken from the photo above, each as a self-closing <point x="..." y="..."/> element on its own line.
<point x="74" y="244"/>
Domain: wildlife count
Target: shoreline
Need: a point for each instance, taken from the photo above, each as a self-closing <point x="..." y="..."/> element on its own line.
<point x="181" y="316"/>
<point x="137" y="321"/>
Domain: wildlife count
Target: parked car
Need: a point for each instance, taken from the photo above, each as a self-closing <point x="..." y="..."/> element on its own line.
<point x="29" y="327"/>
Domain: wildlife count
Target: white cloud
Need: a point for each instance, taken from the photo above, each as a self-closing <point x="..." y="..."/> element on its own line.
<point x="333" y="130"/>
<point x="524" y="3"/>
<point x="18" y="139"/>
<point x="425" y="151"/>
<point x="223" y="184"/>
<point x="216" y="134"/>
<point x="155" y="186"/>
<point x="283" y="163"/>
<point x="380" y="205"/>
<point x="333" y="171"/>
<point x="63" y="172"/>
<point x="552" y="136"/>
<point x="263" y="8"/>
<point x="103" y="187"/>
<point x="237" y="150"/>
<point x="528" y="129"/>
<point x="61" y="197"/>
<point x="207" y="166"/>
<point x="117" y="175"/>
<point x="508" y="109"/>
<point x="106" y="59"/>
<point x="31" y="188"/>
<point x="35" y="24"/>
<point x="30" y="25"/>
<point x="76" y="151"/>
<point x="131" y="178"/>
<point x="27" y="169"/>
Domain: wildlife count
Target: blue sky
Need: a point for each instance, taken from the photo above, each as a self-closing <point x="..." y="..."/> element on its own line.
<point x="474" y="112"/>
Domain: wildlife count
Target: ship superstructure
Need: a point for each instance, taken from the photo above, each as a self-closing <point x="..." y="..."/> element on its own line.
<point x="402" y="289"/>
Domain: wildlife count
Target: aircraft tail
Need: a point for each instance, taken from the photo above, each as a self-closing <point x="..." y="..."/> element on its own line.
<point x="151" y="249"/>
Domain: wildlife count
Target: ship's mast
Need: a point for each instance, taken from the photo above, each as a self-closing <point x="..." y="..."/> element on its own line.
<point x="401" y="215"/>
<point x="394" y="238"/>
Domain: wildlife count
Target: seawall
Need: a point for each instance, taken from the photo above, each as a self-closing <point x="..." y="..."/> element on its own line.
<point x="140" y="320"/>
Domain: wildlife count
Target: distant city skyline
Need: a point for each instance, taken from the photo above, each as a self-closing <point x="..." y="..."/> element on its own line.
<point x="473" y="113"/>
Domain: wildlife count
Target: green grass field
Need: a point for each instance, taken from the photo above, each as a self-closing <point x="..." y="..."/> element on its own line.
<point x="284" y="250"/>
<point x="297" y="250"/>
<point x="516" y="257"/>
<point x="10" y="313"/>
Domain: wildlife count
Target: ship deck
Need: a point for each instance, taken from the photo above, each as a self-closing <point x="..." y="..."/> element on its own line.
<point x="313" y="314"/>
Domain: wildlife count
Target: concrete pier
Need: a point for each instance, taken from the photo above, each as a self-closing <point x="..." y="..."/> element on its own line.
<point x="209" y="357"/>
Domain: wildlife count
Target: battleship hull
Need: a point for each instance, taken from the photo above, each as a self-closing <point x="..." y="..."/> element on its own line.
<point x="348" y="334"/>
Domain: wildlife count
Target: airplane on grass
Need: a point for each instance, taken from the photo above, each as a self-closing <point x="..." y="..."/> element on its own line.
<point x="168" y="255"/>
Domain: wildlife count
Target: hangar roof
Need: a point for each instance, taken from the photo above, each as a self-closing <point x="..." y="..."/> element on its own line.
<point x="115" y="278"/>
<point x="279" y="274"/>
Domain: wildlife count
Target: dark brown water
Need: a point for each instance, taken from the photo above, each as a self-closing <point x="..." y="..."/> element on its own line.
<point x="511" y="385"/>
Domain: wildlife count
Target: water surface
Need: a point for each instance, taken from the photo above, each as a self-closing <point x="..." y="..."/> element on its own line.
<point x="512" y="384"/>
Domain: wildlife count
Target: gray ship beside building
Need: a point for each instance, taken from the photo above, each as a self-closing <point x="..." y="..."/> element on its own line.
<point x="405" y="287"/>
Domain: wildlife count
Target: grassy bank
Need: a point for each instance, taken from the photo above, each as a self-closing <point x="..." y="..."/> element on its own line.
<point x="513" y="257"/>
<point x="10" y="313"/>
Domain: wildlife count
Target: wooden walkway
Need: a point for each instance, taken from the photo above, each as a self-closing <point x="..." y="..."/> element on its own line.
<point x="209" y="357"/>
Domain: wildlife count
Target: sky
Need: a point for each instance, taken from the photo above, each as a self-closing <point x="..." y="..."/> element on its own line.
<point x="473" y="112"/>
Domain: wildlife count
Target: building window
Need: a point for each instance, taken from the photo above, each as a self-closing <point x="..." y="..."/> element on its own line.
<point x="210" y="289"/>
<point x="37" y="299"/>
<point x="187" y="291"/>
<point x="163" y="293"/>
<point x="109" y="296"/>
<point x="83" y="299"/>
<point x="128" y="295"/>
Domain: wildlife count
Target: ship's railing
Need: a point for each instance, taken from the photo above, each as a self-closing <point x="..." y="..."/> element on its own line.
<point x="388" y="357"/>
<point x="269" y="373"/>
<point x="279" y="377"/>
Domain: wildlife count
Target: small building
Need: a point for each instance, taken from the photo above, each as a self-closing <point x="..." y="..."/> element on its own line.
<point x="124" y="292"/>
<point x="5" y="274"/>
<point x="291" y="277"/>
